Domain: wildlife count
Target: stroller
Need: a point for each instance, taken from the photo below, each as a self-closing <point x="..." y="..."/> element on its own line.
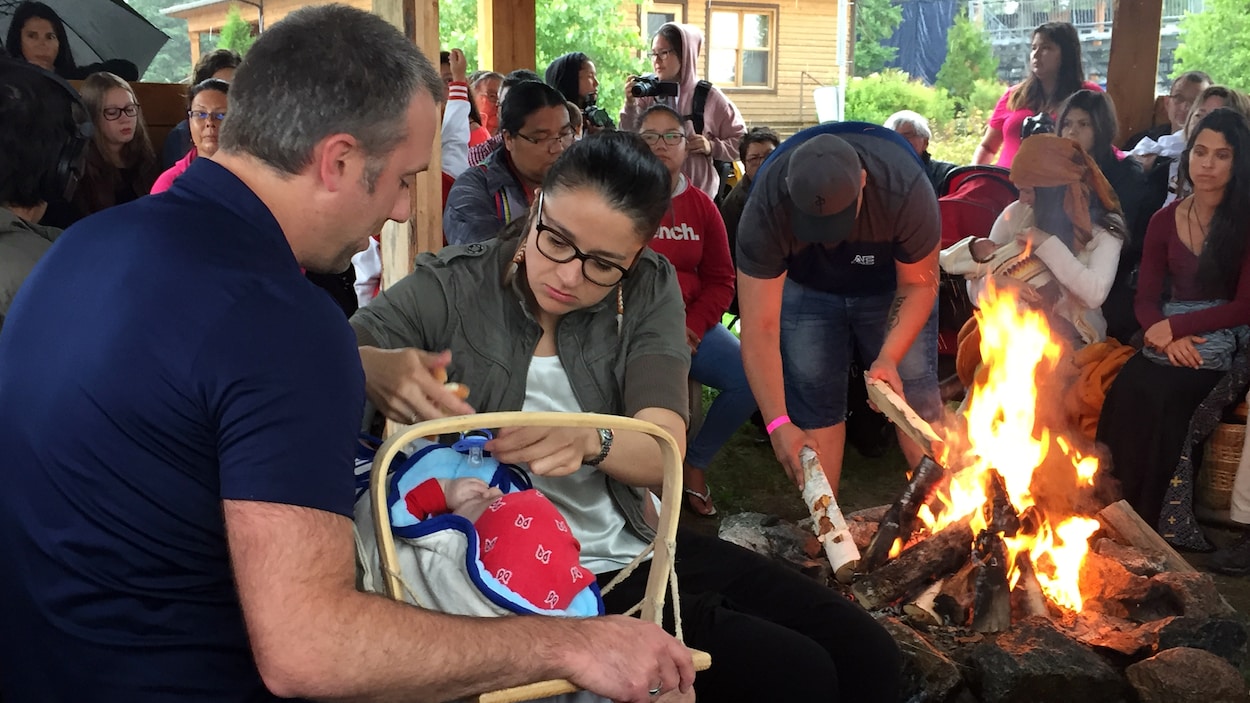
<point x="970" y="199"/>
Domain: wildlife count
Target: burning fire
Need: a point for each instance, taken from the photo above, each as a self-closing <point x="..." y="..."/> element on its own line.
<point x="1004" y="433"/>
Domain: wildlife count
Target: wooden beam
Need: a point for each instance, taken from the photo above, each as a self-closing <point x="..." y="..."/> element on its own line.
<point x="1134" y="63"/>
<point x="402" y="241"/>
<point x="506" y="38"/>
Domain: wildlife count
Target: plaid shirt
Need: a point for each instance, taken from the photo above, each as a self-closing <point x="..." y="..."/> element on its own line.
<point x="478" y="154"/>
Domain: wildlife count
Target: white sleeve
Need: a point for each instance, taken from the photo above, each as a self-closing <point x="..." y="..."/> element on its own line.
<point x="455" y="135"/>
<point x="368" y="264"/>
<point x="1088" y="283"/>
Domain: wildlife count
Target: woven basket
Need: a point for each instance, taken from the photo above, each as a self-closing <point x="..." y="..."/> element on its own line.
<point x="1219" y="465"/>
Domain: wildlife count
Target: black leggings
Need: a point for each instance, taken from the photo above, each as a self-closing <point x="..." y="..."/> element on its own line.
<point x="773" y="633"/>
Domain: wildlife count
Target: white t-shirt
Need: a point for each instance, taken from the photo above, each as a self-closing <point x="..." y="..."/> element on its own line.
<point x="607" y="543"/>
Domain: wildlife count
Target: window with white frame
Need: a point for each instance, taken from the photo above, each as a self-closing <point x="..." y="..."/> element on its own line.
<point x="740" y="51"/>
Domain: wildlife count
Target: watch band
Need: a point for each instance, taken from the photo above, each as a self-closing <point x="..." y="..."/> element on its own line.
<point x="605" y="446"/>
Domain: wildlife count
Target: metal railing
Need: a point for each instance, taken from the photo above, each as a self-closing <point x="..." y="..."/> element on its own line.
<point x="1013" y="20"/>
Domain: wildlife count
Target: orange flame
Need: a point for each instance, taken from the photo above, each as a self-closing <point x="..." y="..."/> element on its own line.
<point x="1004" y="433"/>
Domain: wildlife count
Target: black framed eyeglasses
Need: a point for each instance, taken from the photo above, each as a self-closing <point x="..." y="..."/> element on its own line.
<point x="555" y="246"/>
<point x="115" y="113"/>
<point x="202" y="116"/>
<point x="558" y="142"/>
<point x="670" y="138"/>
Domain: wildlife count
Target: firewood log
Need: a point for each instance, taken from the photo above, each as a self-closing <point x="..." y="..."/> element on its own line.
<point x="931" y="558"/>
<point x="899" y="521"/>
<point x="1027" y="599"/>
<point x="954" y="600"/>
<point x="894" y="407"/>
<point x="991" y="602"/>
<point x="1126" y="527"/>
<point x="921" y="610"/>
<point x="827" y="520"/>
<point x="1000" y="514"/>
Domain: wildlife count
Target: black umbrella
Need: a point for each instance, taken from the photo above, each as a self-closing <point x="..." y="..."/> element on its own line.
<point x="100" y="30"/>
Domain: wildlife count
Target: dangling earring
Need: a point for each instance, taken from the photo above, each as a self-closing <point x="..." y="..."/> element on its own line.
<point x="519" y="256"/>
<point x="517" y="259"/>
<point x="620" y="307"/>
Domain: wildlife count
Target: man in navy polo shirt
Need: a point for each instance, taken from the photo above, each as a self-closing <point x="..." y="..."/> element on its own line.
<point x="838" y="246"/>
<point x="178" y="413"/>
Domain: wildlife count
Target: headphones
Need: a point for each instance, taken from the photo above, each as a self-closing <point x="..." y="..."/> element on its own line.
<point x="61" y="177"/>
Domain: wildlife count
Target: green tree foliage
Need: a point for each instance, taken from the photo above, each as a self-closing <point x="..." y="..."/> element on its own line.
<point x="875" y="22"/>
<point x="594" y="27"/>
<point x="1215" y="41"/>
<point x="969" y="58"/>
<point x="236" y="33"/>
<point x="874" y="98"/>
<point x="173" y="63"/>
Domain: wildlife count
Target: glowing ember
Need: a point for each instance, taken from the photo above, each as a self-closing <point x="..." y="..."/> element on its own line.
<point x="1004" y="432"/>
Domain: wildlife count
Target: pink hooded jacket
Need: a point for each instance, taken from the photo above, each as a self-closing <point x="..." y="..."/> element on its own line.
<point x="723" y="124"/>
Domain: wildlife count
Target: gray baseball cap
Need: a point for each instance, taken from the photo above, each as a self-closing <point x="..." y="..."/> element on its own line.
<point x="824" y="182"/>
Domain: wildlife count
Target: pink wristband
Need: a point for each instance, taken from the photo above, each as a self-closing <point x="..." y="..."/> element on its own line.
<point x="778" y="422"/>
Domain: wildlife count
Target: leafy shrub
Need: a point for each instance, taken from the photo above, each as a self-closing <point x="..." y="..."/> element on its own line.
<point x="876" y="97"/>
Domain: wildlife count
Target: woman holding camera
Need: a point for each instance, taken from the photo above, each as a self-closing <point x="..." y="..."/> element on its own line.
<point x="675" y="59"/>
<point x="1055" y="72"/>
<point x="575" y="77"/>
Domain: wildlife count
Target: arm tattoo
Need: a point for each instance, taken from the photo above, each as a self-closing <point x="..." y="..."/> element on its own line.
<point x="892" y="321"/>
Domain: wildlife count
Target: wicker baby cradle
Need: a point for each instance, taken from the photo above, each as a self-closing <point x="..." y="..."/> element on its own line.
<point x="661" y="576"/>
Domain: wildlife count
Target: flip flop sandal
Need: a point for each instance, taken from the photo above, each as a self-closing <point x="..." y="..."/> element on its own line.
<point x="707" y="502"/>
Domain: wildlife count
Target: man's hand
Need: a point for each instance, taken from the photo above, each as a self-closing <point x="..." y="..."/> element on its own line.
<point x="1159" y="336"/>
<point x="787" y="440"/>
<point x="1025" y="292"/>
<point x="692" y="341"/>
<point x="886" y="370"/>
<point x="459" y="65"/>
<point x="549" y="451"/>
<point x="652" y="660"/>
<point x="1183" y="352"/>
<point x="407" y="385"/>
<point x="698" y="144"/>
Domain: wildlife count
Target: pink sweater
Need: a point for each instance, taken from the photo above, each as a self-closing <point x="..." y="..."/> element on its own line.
<point x="166" y="179"/>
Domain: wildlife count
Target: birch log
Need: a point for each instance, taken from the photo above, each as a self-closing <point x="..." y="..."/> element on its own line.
<point x="827" y="520"/>
<point x="933" y="557"/>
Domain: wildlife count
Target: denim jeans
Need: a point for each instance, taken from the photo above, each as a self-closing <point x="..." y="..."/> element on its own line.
<point x="718" y="364"/>
<point x="817" y="331"/>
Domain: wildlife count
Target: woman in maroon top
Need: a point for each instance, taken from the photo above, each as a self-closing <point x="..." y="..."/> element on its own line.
<point x="1193" y="301"/>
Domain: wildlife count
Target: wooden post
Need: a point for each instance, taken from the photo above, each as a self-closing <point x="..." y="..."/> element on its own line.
<point x="402" y="241"/>
<point x="506" y="38"/>
<point x="1134" y="64"/>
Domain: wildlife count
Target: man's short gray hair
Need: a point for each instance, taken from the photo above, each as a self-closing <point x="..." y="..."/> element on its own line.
<point x="907" y="117"/>
<point x="322" y="70"/>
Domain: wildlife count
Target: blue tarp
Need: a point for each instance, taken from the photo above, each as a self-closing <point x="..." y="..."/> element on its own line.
<point x="921" y="37"/>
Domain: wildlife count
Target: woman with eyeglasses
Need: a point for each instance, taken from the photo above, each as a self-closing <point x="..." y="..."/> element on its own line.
<point x="675" y="58"/>
<point x="121" y="164"/>
<point x="571" y="311"/>
<point x="692" y="237"/>
<point x="534" y="122"/>
<point x="207" y="109"/>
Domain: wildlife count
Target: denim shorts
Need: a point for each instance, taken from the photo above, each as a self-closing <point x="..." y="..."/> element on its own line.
<point x="817" y="331"/>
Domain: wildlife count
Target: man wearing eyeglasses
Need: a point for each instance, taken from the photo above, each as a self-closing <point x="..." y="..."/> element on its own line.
<point x="534" y="124"/>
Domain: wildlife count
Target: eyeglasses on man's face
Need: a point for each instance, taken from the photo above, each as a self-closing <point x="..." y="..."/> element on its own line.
<point x="669" y="138"/>
<point x="556" y="246"/>
<point x="660" y="55"/>
<point x="115" y="113"/>
<point x="554" y="143"/>
<point x="202" y="116"/>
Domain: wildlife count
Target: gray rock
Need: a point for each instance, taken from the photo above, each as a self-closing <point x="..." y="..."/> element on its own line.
<point x="1186" y="674"/>
<point x="1223" y="637"/>
<point x="1137" y="561"/>
<point x="928" y="675"/>
<point x="1034" y="663"/>
<point x="1195" y="593"/>
<point x="775" y="538"/>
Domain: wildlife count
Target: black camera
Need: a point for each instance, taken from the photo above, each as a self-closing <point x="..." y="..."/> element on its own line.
<point x="650" y="86"/>
<point x="595" y="115"/>
<point x="1041" y="123"/>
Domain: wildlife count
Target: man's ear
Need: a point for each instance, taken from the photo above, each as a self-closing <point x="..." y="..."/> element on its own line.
<point x="335" y="158"/>
<point x="863" y="178"/>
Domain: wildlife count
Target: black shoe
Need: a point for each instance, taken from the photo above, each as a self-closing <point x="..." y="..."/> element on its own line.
<point x="1233" y="560"/>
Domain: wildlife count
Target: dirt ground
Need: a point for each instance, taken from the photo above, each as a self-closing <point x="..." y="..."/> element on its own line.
<point x="745" y="477"/>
